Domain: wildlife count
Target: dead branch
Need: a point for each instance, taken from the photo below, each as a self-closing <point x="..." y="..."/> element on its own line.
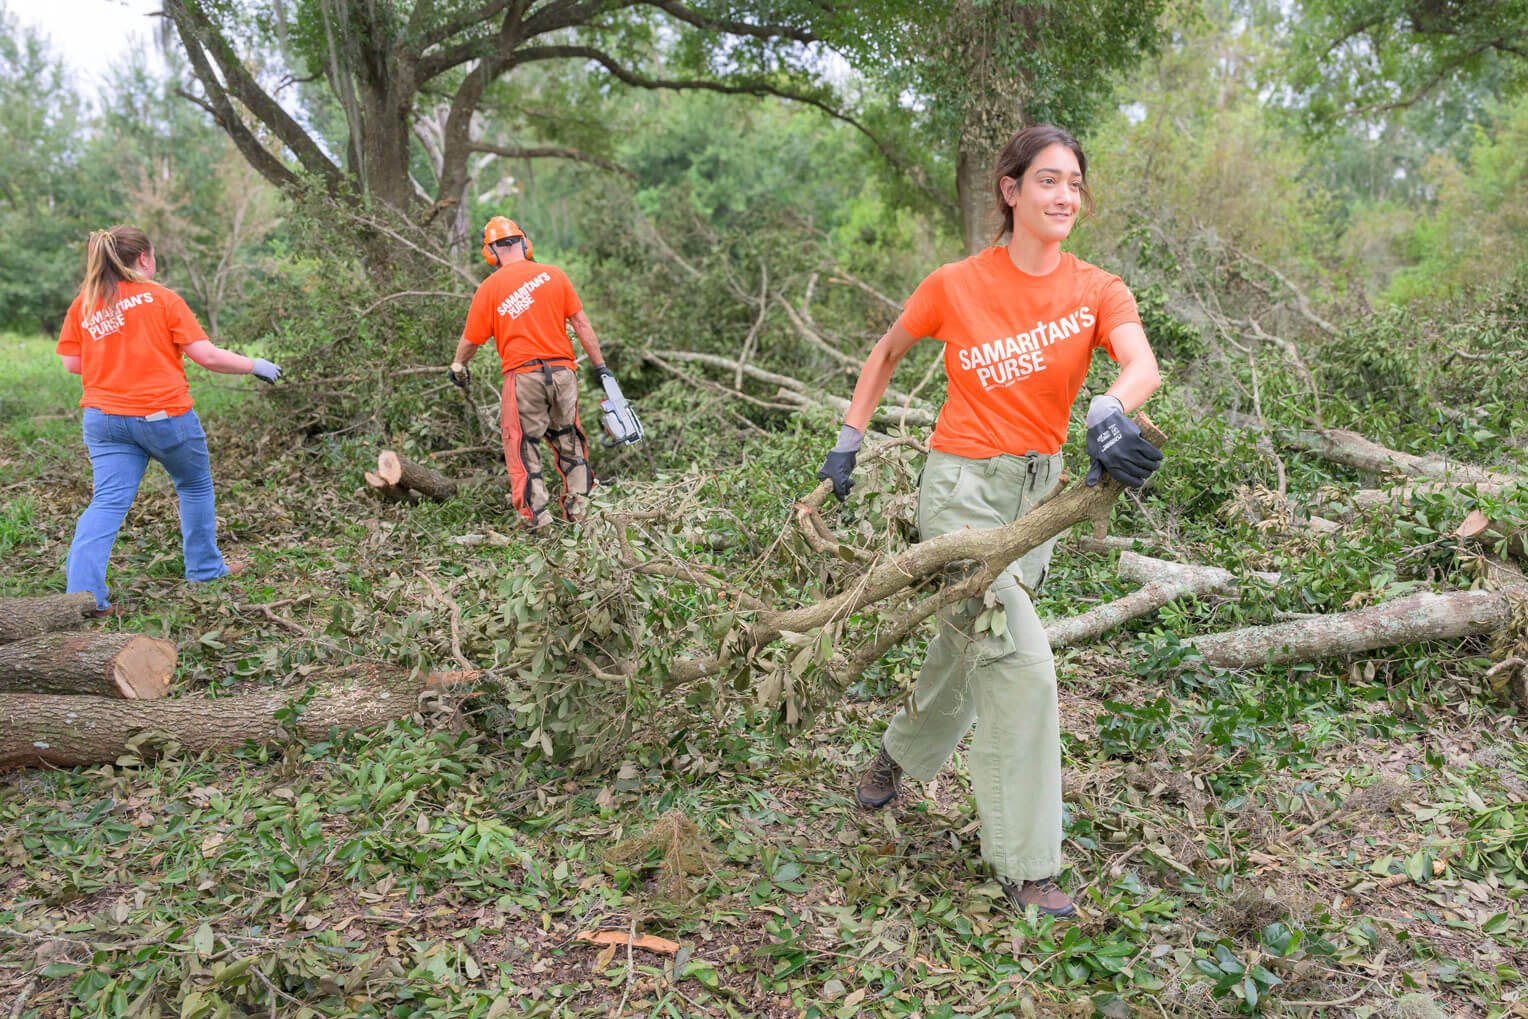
<point x="1407" y="620"/>
<point x="1162" y="582"/>
<point x="991" y="550"/>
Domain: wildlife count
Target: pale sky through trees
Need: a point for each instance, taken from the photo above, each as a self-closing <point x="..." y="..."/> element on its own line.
<point x="91" y="35"/>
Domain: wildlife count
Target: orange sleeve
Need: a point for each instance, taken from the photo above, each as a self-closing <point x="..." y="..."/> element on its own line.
<point x="570" y="302"/>
<point x="479" y="327"/>
<point x="924" y="313"/>
<point x="181" y="320"/>
<point x="69" y="335"/>
<point x="1116" y="307"/>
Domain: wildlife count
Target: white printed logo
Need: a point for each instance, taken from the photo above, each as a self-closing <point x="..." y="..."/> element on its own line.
<point x="1001" y="363"/>
<point x="520" y="301"/>
<point x="107" y="321"/>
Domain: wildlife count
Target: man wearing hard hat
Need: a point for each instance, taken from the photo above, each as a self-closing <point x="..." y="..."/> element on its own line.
<point x="526" y="307"/>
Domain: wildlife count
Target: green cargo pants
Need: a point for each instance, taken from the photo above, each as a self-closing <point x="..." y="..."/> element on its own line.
<point x="1006" y="682"/>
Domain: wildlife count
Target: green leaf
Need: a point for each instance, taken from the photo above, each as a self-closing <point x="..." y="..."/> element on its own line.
<point x="202" y="941"/>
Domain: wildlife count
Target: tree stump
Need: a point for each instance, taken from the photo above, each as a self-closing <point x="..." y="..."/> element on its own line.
<point x="27" y="617"/>
<point x="125" y="665"/>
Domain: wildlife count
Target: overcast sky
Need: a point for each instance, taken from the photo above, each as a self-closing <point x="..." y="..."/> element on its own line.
<point x="91" y="35"/>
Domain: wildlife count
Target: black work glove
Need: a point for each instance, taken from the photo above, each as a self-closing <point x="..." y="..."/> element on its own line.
<point x="601" y="373"/>
<point x="836" y="468"/>
<point x="1116" y="445"/>
<point x="459" y="375"/>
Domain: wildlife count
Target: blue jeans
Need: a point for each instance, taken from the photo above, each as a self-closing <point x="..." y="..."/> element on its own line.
<point x="120" y="450"/>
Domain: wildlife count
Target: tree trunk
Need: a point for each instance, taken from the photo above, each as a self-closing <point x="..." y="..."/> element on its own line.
<point x="973" y="190"/>
<point x="126" y="665"/>
<point x="27" y="617"/>
<point x="1162" y="581"/>
<point x="395" y="469"/>
<point x="69" y="731"/>
<point x="1406" y="620"/>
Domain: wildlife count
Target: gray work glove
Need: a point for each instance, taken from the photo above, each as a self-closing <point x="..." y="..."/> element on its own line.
<point x="839" y="463"/>
<point x="265" y="371"/>
<point x="1116" y="445"/>
<point x="459" y="375"/>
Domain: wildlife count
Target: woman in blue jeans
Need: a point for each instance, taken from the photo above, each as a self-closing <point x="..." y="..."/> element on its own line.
<point x="125" y="336"/>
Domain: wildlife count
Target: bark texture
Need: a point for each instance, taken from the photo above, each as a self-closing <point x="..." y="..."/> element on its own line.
<point x="69" y="731"/>
<point x="1353" y="450"/>
<point x="27" y="617"/>
<point x="1162" y="582"/>
<point x="398" y="470"/>
<point x="1406" y="620"/>
<point x="126" y="665"/>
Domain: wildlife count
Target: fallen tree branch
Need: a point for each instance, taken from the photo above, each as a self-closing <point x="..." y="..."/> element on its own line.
<point x="68" y="731"/>
<point x="993" y="550"/>
<point x="1350" y="449"/>
<point x="126" y="665"/>
<point x="1407" y="620"/>
<point x="27" y="617"/>
<point x="1162" y="582"/>
<point x="388" y="492"/>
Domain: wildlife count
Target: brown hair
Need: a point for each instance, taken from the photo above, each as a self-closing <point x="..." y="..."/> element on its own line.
<point x="1016" y="156"/>
<point x="111" y="257"/>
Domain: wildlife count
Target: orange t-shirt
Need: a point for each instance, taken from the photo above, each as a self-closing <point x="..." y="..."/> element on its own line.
<point x="1017" y="347"/>
<point x="130" y="356"/>
<point x="524" y="307"/>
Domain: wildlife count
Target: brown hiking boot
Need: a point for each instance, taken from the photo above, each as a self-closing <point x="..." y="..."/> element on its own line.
<point x="881" y="783"/>
<point x="1045" y="895"/>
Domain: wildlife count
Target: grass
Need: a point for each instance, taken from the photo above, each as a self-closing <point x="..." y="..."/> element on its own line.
<point x="1265" y="842"/>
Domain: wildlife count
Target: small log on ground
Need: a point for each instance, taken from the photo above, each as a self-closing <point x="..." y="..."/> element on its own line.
<point x="396" y="469"/>
<point x="1406" y="620"/>
<point x="126" y="665"/>
<point x="70" y="731"/>
<point x="1162" y="582"/>
<point x="27" y="617"/>
<point x="387" y="491"/>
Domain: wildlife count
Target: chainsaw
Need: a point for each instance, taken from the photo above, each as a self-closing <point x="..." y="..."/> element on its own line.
<point x="617" y="416"/>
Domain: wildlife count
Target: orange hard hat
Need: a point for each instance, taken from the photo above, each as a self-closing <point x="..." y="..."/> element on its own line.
<point x="502" y="228"/>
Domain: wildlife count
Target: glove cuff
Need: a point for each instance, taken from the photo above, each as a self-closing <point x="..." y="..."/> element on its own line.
<point x="1102" y="407"/>
<point x="849" y="439"/>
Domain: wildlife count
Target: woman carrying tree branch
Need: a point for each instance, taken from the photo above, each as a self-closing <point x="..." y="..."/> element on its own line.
<point x="125" y="336"/>
<point x="1019" y="322"/>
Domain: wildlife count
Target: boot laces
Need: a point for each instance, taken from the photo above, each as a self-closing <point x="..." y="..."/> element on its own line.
<point x="883" y="769"/>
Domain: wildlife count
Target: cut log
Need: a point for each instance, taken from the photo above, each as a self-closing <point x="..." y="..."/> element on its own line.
<point x="1406" y="620"/>
<point x="126" y="665"/>
<point x="70" y="731"/>
<point x="396" y="469"/>
<point x="27" y="617"/>
<point x="1162" y="582"/>
<point x="388" y="492"/>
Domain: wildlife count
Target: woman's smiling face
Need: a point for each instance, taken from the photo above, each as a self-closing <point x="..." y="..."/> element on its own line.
<point x="1049" y="196"/>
